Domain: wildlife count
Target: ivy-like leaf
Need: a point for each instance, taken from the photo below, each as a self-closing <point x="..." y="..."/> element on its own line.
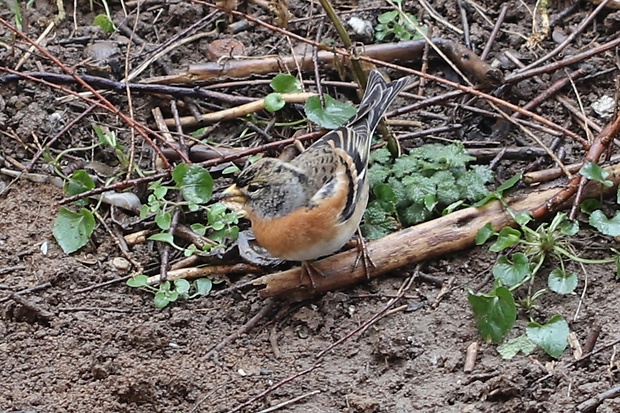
<point x="285" y="83"/>
<point x="512" y="273"/>
<point x="484" y="233"/>
<point x="332" y="116"/>
<point x="495" y="313"/>
<point x="562" y="282"/>
<point x="72" y="230"/>
<point x="551" y="337"/>
<point x="194" y="182"/>
<point x="594" y="172"/>
<point x="506" y="238"/>
<point x="605" y="225"/>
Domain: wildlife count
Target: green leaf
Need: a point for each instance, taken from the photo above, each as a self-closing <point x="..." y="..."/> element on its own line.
<point x="162" y="237"/>
<point x="163" y="220"/>
<point x="387" y="17"/>
<point x="332" y="116"/>
<point x="589" y="205"/>
<point x="203" y="286"/>
<point x="512" y="273"/>
<point x="562" y="282"/>
<point x="495" y="313"/>
<point x="194" y="182"/>
<point x="181" y="286"/>
<point x="506" y="238"/>
<point x="523" y="218"/>
<point x="285" y="83"/>
<point x="605" y="225"/>
<point x="137" y="281"/>
<point x="274" y="102"/>
<point x="161" y="299"/>
<point x="73" y="229"/>
<point x="551" y="337"/>
<point x="511" y="348"/>
<point x="594" y="172"/>
<point x="79" y="182"/>
<point x="381" y="155"/>
<point x="377" y="222"/>
<point x="199" y="229"/>
<point x="484" y="233"/>
<point x="509" y="183"/>
<point x="104" y="22"/>
<point x="570" y="228"/>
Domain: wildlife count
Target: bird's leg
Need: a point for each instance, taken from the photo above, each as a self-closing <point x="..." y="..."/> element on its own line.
<point x="363" y="255"/>
<point x="306" y="271"/>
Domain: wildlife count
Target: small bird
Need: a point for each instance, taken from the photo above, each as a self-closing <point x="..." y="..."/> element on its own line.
<point x="311" y="206"/>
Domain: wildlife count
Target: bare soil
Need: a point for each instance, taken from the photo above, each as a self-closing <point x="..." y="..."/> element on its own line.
<point x="108" y="349"/>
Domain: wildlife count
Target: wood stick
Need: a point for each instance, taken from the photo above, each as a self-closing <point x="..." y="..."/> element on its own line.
<point x="451" y="233"/>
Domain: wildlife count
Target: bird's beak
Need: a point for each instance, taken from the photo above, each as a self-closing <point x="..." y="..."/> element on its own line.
<point x="232" y="195"/>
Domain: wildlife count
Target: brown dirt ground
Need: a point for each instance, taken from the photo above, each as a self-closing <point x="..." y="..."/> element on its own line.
<point x="110" y="350"/>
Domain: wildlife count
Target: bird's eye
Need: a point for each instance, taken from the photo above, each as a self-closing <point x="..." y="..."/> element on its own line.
<point x="253" y="187"/>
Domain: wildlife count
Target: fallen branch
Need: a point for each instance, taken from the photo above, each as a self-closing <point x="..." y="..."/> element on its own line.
<point x="451" y="233"/>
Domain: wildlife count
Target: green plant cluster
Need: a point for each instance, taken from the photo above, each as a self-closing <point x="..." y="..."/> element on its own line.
<point x="415" y="187"/>
<point x="398" y="24"/>
<point x="524" y="251"/>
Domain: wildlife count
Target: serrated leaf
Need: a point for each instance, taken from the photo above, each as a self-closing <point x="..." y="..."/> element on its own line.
<point x="194" y="182"/>
<point x="72" y="230"/>
<point x="495" y="313"/>
<point x="506" y="238"/>
<point x="552" y="337"/>
<point x="332" y="116"/>
<point x="285" y="83"/>
<point x="562" y="282"/>
<point x="605" y="225"/>
<point x="512" y="273"/>
<point x="511" y="348"/>
<point x="381" y="155"/>
<point x="274" y="102"/>
<point x="594" y="172"/>
<point x="137" y="281"/>
<point x="484" y="233"/>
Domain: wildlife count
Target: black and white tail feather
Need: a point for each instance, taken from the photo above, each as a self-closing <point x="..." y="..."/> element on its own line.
<point x="353" y="138"/>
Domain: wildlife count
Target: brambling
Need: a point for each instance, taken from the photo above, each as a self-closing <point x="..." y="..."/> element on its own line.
<point x="311" y="206"/>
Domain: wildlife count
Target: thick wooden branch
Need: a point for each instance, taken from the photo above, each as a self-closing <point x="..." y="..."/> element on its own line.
<point x="451" y="233"/>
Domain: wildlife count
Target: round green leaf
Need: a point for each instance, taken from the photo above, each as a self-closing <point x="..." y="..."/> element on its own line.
<point x="484" y="234"/>
<point x="203" y="286"/>
<point x="551" y="337"/>
<point x="512" y="273"/>
<point x="137" y="281"/>
<point x="73" y="229"/>
<point x="511" y="348"/>
<point x="161" y="299"/>
<point x="274" y="102"/>
<point x="285" y="83"/>
<point x="194" y="182"/>
<point x="506" y="238"/>
<point x="562" y="282"/>
<point x="594" y="172"/>
<point x="79" y="182"/>
<point x="495" y="313"/>
<point x="163" y="220"/>
<point x="333" y="115"/>
<point x="605" y="225"/>
<point x="181" y="286"/>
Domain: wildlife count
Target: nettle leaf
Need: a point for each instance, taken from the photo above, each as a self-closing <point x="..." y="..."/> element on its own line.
<point x="377" y="221"/>
<point x="472" y="184"/>
<point x="414" y="213"/>
<point x="562" y="282"/>
<point x="605" y="225"/>
<point x="381" y="155"/>
<point x="332" y="116"/>
<point x="378" y="174"/>
<point x="484" y="233"/>
<point x="511" y="348"/>
<point x="274" y="102"/>
<point x="512" y="273"/>
<point x="495" y="313"/>
<point x="506" y="238"/>
<point x="552" y="337"/>
<point x="594" y="172"/>
<point x="194" y="182"/>
<point x="285" y="83"/>
<point x="72" y="230"/>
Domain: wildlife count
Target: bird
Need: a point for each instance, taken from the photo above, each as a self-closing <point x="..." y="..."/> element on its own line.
<point x="311" y="206"/>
